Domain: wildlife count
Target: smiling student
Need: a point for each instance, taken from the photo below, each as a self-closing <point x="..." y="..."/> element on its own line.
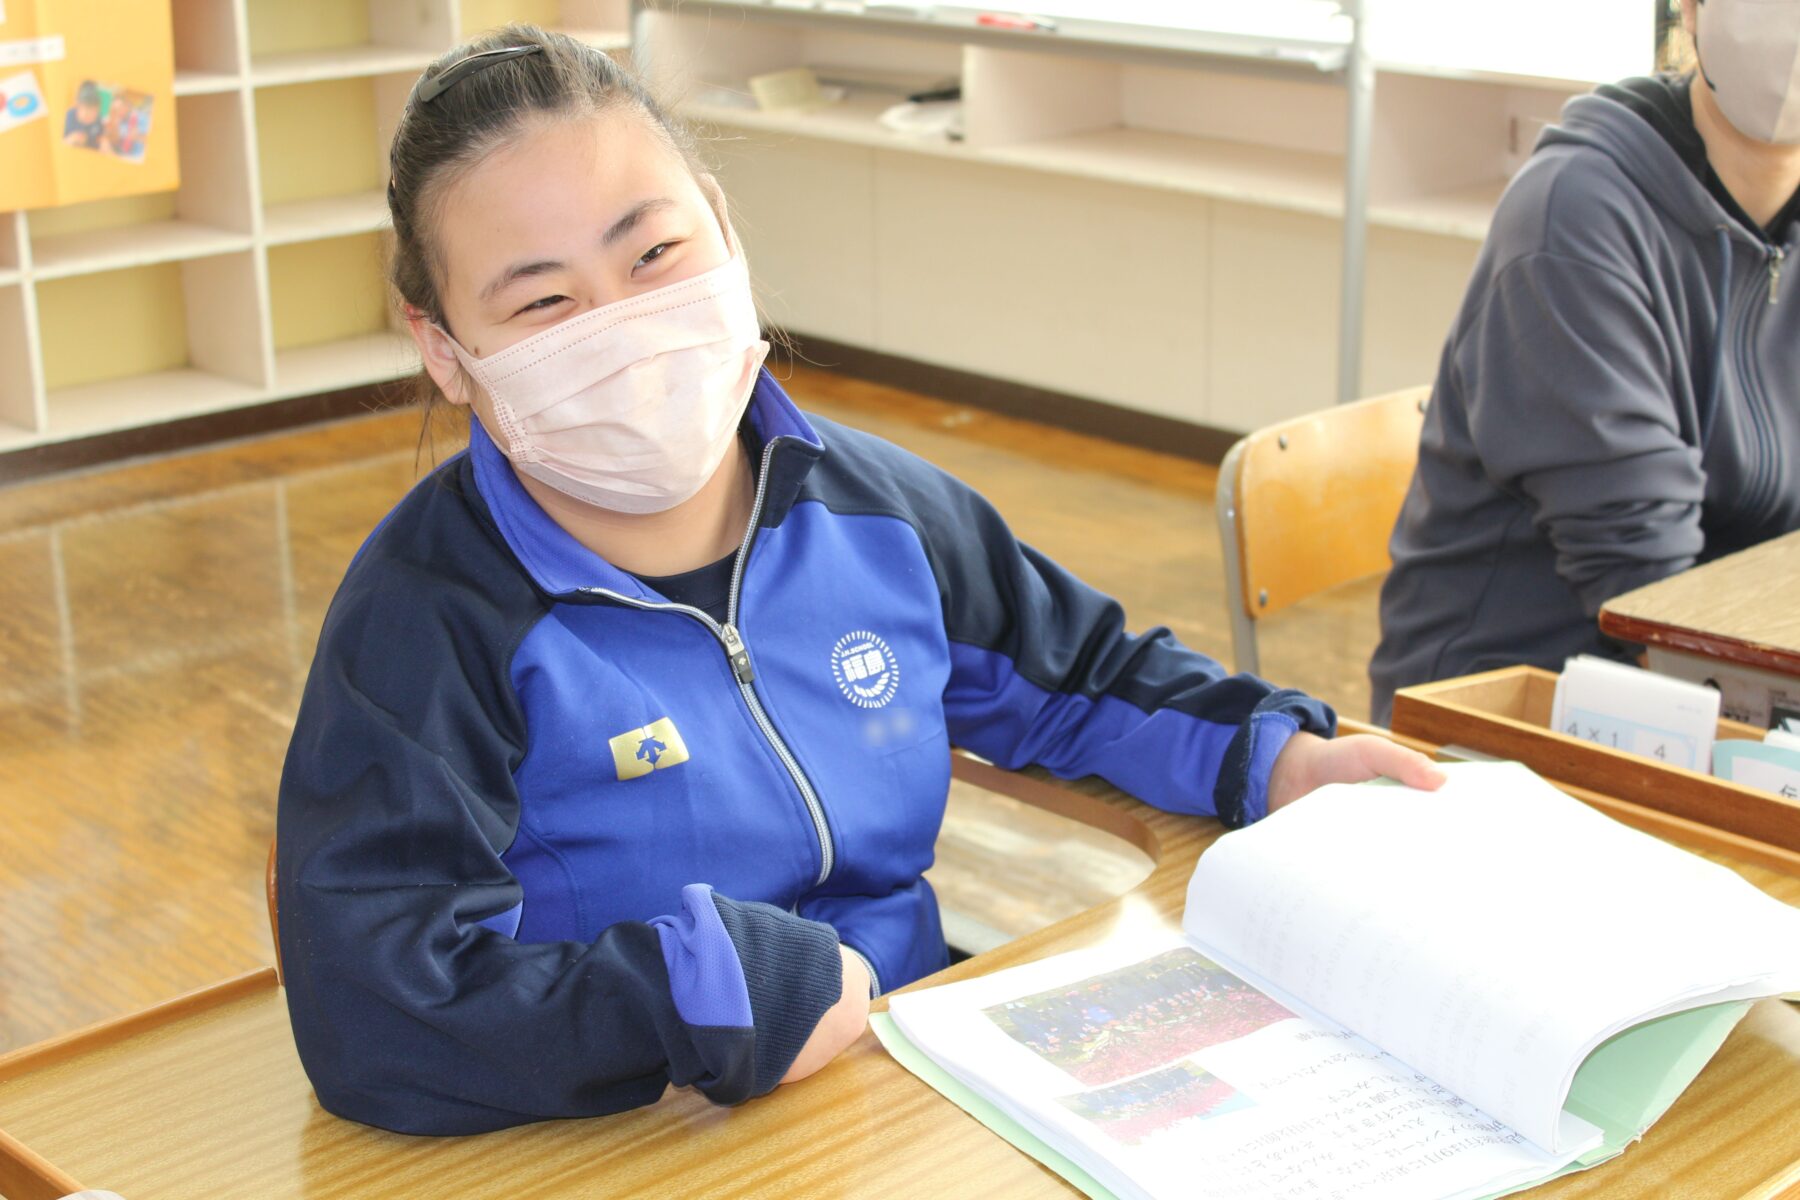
<point x="627" y="740"/>
<point x="1619" y="398"/>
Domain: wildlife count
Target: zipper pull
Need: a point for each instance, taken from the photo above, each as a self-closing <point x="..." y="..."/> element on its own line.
<point x="1777" y="256"/>
<point x="737" y="652"/>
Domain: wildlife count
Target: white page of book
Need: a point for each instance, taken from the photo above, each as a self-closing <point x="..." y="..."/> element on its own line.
<point x="1166" y="1077"/>
<point x="1489" y="934"/>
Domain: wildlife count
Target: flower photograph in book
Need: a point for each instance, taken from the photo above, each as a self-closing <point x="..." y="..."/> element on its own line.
<point x="1131" y="1111"/>
<point x="1126" y="1022"/>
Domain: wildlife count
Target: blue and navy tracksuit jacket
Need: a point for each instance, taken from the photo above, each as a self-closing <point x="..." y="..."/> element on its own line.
<point x="549" y="843"/>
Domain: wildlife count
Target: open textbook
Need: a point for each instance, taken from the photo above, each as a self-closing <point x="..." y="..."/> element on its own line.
<point x="1376" y="992"/>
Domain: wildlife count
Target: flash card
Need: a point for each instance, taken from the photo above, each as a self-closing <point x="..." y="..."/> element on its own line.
<point x="1639" y="712"/>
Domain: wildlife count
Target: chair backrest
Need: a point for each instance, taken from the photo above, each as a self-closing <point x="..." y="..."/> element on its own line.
<point x="1310" y="503"/>
<point x="274" y="922"/>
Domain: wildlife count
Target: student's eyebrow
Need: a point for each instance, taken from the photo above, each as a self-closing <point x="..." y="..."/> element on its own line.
<point x="625" y="224"/>
<point x="618" y="230"/>
<point x="515" y="273"/>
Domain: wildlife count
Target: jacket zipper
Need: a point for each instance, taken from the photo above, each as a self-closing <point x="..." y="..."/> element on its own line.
<point x="1777" y="256"/>
<point x="738" y="654"/>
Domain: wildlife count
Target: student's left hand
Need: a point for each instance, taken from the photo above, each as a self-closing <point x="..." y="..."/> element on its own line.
<point x="1309" y="761"/>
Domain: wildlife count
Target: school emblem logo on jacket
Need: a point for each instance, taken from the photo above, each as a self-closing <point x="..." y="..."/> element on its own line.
<point x="657" y="745"/>
<point x="865" y="669"/>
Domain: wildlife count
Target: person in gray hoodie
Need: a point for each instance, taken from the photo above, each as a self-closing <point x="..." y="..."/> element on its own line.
<point x="1619" y="398"/>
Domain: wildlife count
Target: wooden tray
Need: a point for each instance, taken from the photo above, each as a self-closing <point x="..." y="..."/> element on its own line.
<point x="1506" y="713"/>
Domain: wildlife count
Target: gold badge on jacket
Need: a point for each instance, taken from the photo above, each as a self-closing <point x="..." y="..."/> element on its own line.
<point x="654" y="747"/>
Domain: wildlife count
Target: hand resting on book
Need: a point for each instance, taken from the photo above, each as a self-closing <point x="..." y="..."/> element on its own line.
<point x="1309" y="761"/>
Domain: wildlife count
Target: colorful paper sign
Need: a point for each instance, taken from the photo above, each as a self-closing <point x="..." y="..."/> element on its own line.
<point x="20" y="100"/>
<point x="103" y="78"/>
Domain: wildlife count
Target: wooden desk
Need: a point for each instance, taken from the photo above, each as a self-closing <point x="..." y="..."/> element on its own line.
<point x="204" y="1099"/>
<point x="1743" y="608"/>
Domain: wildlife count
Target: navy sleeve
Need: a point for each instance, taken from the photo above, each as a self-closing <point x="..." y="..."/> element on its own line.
<point x="1043" y="671"/>
<point x="412" y="1006"/>
<point x="1568" y="385"/>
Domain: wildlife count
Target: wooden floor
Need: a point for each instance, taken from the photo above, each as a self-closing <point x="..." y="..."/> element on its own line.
<point x="156" y="621"/>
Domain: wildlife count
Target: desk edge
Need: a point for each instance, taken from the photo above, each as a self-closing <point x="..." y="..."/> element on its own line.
<point x="1645" y="632"/>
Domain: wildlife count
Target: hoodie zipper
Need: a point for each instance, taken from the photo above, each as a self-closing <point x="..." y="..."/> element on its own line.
<point x="737" y="653"/>
<point x="1761" y="489"/>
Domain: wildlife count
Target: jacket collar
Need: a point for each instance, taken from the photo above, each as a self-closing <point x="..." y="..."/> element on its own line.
<point x="560" y="565"/>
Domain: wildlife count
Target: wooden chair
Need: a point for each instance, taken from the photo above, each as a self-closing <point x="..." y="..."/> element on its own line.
<point x="274" y="922"/>
<point x="1309" y="504"/>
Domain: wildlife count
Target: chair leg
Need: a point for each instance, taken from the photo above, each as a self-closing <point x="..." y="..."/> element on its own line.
<point x="274" y="923"/>
<point x="1231" y="553"/>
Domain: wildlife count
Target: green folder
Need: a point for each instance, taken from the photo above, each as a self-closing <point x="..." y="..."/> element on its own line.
<point x="1623" y="1087"/>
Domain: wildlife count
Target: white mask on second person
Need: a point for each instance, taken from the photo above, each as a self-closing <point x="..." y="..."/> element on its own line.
<point x="1750" y="57"/>
<point x="633" y="406"/>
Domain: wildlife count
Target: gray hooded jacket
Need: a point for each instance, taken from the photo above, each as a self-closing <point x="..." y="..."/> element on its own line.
<point x="1618" y="400"/>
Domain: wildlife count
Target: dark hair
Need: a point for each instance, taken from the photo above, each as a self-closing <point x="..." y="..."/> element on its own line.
<point x="440" y="139"/>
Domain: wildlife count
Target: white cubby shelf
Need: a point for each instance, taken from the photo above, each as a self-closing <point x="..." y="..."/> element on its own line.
<point x="1157" y="227"/>
<point x="1445" y="141"/>
<point x="328" y="216"/>
<point x="1161" y="227"/>
<point x="260" y="278"/>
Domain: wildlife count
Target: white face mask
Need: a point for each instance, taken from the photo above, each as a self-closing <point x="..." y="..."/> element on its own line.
<point x="630" y="407"/>
<point x="1750" y="56"/>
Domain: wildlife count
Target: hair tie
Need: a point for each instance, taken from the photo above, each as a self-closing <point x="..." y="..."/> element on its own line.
<point x="430" y="89"/>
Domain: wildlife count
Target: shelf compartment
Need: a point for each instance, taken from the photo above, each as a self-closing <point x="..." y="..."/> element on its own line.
<point x="112" y="325"/>
<point x="689" y="53"/>
<point x="853" y="120"/>
<point x="104" y="333"/>
<point x="103" y="406"/>
<point x="208" y="45"/>
<point x="347" y="362"/>
<point x="150" y="344"/>
<point x="1263" y="141"/>
<point x="601" y="24"/>
<point x="12" y="246"/>
<point x="326" y="217"/>
<point x="338" y="39"/>
<point x="203" y="83"/>
<point x="210" y="214"/>
<point x="316" y="66"/>
<point x="324" y="141"/>
<point x="1297" y="180"/>
<point x="58" y="255"/>
<point x="1294" y="180"/>
<point x="18" y="365"/>
<point x="328" y="290"/>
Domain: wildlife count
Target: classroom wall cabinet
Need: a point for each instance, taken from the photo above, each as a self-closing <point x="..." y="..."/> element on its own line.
<point x="1161" y="231"/>
<point x="261" y="276"/>
<point x="1158" y="230"/>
